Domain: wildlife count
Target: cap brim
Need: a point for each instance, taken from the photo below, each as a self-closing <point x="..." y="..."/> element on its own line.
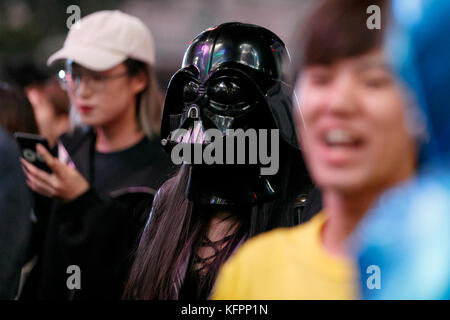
<point x="92" y="58"/>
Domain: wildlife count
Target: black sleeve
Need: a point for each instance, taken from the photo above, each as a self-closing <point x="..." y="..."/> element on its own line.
<point x="100" y="234"/>
<point x="15" y="221"/>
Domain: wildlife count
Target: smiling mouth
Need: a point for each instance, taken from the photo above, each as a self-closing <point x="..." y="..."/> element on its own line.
<point x="341" y="138"/>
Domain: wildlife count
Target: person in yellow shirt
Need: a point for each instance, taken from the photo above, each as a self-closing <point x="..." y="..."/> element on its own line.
<point x="286" y="264"/>
<point x="358" y="140"/>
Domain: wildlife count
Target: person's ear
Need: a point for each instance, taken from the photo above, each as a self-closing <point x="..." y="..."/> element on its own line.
<point x="139" y="82"/>
<point x="37" y="97"/>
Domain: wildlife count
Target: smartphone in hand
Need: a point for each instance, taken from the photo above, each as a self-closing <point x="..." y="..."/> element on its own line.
<point x="27" y="143"/>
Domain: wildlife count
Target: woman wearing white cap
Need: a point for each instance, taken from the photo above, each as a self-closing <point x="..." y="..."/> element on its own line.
<point x="105" y="167"/>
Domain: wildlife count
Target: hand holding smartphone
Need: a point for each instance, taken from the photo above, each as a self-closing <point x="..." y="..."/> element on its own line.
<point x="62" y="181"/>
<point x="27" y="143"/>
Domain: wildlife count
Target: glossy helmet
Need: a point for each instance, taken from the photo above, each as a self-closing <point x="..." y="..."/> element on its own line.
<point x="232" y="77"/>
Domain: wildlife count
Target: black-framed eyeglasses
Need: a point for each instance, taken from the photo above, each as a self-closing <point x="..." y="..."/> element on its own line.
<point x="72" y="77"/>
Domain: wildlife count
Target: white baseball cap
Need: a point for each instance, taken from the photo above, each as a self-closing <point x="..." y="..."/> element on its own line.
<point x="104" y="39"/>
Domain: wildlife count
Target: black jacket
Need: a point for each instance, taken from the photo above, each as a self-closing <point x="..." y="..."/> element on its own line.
<point x="96" y="233"/>
<point x="15" y="212"/>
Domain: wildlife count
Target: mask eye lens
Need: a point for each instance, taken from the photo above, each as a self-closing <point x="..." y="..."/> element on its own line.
<point x="190" y="91"/>
<point x="226" y="92"/>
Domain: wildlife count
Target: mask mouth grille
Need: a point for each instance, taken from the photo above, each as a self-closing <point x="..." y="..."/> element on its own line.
<point x="195" y="133"/>
<point x="223" y="123"/>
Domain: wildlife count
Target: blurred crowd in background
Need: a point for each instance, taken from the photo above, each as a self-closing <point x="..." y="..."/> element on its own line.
<point x="32" y="30"/>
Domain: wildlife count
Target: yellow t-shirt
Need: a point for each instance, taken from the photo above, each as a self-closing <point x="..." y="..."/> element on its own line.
<point x="287" y="264"/>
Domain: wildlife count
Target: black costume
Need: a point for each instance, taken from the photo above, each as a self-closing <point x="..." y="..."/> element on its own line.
<point x="232" y="77"/>
<point x="98" y="231"/>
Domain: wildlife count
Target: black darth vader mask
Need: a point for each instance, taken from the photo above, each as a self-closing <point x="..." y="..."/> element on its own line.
<point x="231" y="78"/>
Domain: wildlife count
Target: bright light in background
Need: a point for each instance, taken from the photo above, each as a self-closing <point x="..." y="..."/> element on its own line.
<point x="61" y="74"/>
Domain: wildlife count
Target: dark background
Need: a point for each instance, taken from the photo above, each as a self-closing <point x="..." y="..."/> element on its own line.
<point x="34" y="29"/>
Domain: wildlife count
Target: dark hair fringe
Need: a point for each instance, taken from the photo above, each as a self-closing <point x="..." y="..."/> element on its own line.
<point x="336" y="29"/>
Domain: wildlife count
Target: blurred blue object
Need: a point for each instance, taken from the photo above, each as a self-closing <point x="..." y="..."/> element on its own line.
<point x="407" y="234"/>
<point x="419" y="48"/>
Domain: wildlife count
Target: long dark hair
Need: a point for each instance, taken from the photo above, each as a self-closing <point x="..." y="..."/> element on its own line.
<point x="176" y="224"/>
